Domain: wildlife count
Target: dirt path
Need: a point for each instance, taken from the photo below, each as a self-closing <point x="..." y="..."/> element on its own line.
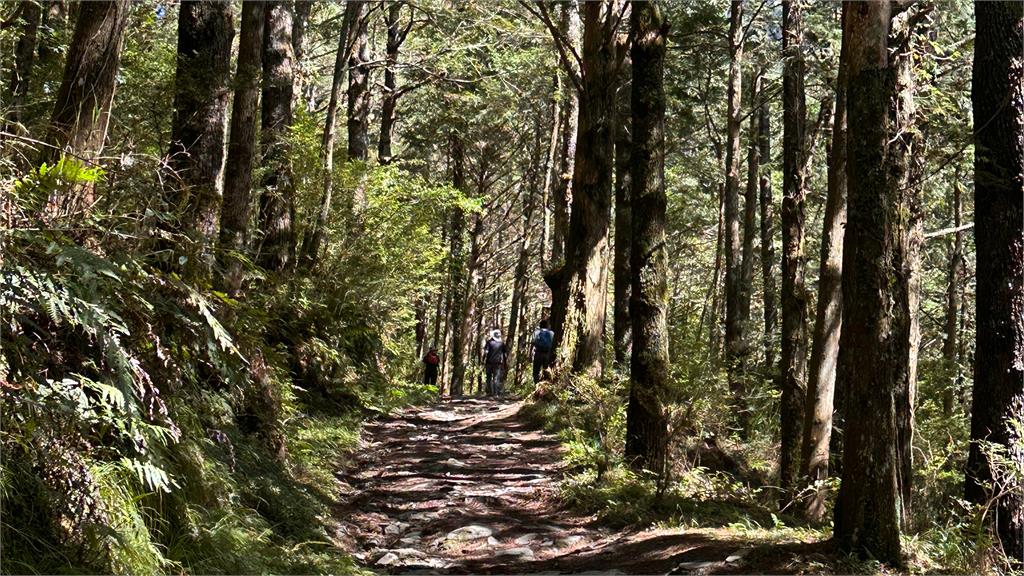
<point x="469" y="487"/>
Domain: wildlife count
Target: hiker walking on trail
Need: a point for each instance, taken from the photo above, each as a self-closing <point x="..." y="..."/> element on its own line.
<point x="543" y="343"/>
<point x="495" y="358"/>
<point x="431" y="363"/>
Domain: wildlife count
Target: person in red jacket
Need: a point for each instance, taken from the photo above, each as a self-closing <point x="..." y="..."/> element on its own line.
<point x="431" y="364"/>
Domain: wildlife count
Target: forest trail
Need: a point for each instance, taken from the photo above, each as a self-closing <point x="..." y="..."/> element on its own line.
<point x="470" y="487"/>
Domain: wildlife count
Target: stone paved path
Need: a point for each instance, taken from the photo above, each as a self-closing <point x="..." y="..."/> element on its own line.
<point x="469" y="487"/>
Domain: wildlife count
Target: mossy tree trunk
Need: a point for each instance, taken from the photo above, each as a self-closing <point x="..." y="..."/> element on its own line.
<point x="580" y="344"/>
<point x="793" y="361"/>
<point x="876" y="344"/>
<point x="277" y="203"/>
<point x="646" y="420"/>
<point x="198" y="125"/>
<point x="998" y="96"/>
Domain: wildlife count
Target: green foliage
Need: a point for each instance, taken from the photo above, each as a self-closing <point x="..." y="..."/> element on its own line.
<point x="153" y="425"/>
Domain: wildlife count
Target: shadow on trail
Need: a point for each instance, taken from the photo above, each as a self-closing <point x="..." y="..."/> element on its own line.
<point x="469" y="486"/>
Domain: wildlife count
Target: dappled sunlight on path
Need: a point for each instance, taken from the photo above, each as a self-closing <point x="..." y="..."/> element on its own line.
<point x="470" y="487"/>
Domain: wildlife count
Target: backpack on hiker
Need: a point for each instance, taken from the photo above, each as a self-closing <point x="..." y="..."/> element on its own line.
<point x="544" y="340"/>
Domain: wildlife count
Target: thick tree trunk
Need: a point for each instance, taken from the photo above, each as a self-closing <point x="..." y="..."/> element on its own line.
<point x="878" y="305"/>
<point x="389" y="99"/>
<point x="24" y="60"/>
<point x="358" y="80"/>
<point x="277" y="204"/>
<point x="646" y="421"/>
<point x="300" y="22"/>
<point x="82" y="107"/>
<point x="793" y="362"/>
<point x="621" y="324"/>
<point x="734" y="345"/>
<point x="570" y="27"/>
<point x="196" y="155"/>
<point x="998" y="405"/>
<point x="767" y="209"/>
<point x="829" y="317"/>
<point x="581" y="340"/>
<point x="315" y="237"/>
<point x="457" y="272"/>
<point x="234" y="210"/>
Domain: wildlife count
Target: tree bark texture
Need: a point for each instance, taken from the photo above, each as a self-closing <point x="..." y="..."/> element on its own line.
<point x="571" y="29"/>
<point x="235" y="207"/>
<point x="766" y="203"/>
<point x="24" y="59"/>
<point x="585" y="272"/>
<point x="829" y="315"/>
<point x="457" y="271"/>
<point x="997" y="93"/>
<point x="877" y="330"/>
<point x="196" y="156"/>
<point x="81" y="111"/>
<point x="734" y="344"/>
<point x="622" y="283"/>
<point x="358" y="80"/>
<point x="793" y="362"/>
<point x="389" y="99"/>
<point x="750" y="230"/>
<point x="277" y="203"/>
<point x="646" y="420"/>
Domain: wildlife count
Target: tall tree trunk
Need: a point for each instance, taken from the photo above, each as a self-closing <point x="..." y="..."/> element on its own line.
<point x="950" y="344"/>
<point x="314" y="238"/>
<point x="734" y="345"/>
<point x="277" y="203"/>
<point x="714" y="329"/>
<point x="358" y="81"/>
<point x="767" y="213"/>
<point x="570" y="27"/>
<point x="580" y="342"/>
<point x="549" y="171"/>
<point x="998" y="404"/>
<point x="196" y="156"/>
<point x="235" y="208"/>
<point x="793" y="362"/>
<point x="457" y="271"/>
<point x="750" y="230"/>
<point x="300" y="22"/>
<point x="621" y="324"/>
<point x="24" y="60"/>
<point x="81" y="111"/>
<point x="646" y="421"/>
<point x="829" y="317"/>
<point x="519" y="283"/>
<point x="471" y="315"/>
<point x="877" y="330"/>
<point x="389" y="99"/>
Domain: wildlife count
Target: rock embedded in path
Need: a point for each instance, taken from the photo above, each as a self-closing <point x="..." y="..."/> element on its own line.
<point x="526" y="539"/>
<point x="471" y="532"/>
<point x="520" y="552"/>
<point x="571" y="540"/>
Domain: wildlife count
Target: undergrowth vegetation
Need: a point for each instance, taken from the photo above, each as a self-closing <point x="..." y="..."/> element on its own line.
<point x="153" y="423"/>
<point x="722" y="486"/>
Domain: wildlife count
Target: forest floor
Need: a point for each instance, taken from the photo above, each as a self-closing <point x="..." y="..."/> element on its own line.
<point x="470" y="486"/>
